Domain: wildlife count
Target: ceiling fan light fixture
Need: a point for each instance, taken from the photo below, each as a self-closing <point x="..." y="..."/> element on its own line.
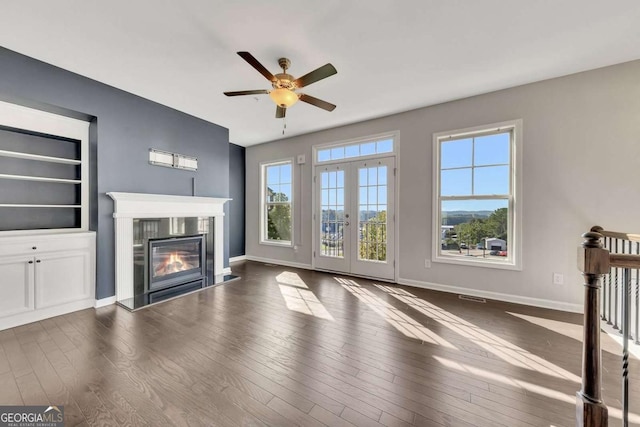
<point x="284" y="98"/>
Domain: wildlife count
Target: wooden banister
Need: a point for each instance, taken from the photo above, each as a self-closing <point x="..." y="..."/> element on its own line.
<point x="624" y="260"/>
<point x="593" y="261"/>
<point x="617" y="260"/>
<point x="616" y="234"/>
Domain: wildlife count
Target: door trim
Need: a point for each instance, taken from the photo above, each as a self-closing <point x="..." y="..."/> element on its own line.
<point x="395" y="134"/>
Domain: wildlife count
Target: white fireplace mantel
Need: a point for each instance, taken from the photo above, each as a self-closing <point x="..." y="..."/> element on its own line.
<point x="128" y="206"/>
<point x="139" y="205"/>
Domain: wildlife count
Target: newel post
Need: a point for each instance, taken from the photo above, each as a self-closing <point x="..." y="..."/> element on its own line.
<point x="593" y="261"/>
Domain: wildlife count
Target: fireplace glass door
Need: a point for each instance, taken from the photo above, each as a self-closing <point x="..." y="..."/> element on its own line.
<point x="175" y="261"/>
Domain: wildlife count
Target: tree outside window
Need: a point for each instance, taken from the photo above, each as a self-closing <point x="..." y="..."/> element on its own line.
<point x="277" y="225"/>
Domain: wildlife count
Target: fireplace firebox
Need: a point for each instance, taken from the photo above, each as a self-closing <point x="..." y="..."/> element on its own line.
<point x="175" y="261"/>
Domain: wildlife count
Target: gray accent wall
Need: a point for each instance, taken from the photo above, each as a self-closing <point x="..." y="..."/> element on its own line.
<point x="581" y="153"/>
<point x="236" y="206"/>
<point x="124" y="127"/>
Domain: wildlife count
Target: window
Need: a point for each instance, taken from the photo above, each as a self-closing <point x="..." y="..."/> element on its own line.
<point x="277" y="206"/>
<point x="357" y="149"/>
<point x="476" y="190"/>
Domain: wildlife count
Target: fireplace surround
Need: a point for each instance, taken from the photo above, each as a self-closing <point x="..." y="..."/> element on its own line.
<point x="143" y="222"/>
<point x="172" y="251"/>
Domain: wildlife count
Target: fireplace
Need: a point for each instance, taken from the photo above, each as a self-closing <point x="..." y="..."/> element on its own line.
<point x="175" y="261"/>
<point x="185" y="226"/>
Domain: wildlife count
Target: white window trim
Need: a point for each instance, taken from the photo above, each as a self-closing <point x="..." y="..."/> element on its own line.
<point x="263" y="182"/>
<point x="394" y="135"/>
<point x="515" y="205"/>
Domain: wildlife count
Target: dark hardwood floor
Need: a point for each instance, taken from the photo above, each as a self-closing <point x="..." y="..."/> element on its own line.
<point x="285" y="347"/>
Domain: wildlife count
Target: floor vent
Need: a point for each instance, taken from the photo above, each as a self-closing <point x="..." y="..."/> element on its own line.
<point x="472" y="298"/>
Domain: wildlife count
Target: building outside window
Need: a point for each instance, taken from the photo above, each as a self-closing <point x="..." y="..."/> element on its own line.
<point x="277" y="203"/>
<point x="476" y="196"/>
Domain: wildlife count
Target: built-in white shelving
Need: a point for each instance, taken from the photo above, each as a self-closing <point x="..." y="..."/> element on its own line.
<point x="27" y="205"/>
<point x="37" y="157"/>
<point x="52" y="194"/>
<point x="47" y="254"/>
<point x="40" y="178"/>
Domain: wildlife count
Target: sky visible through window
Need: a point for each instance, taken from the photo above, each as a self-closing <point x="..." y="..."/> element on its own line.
<point x="368" y="148"/>
<point x="279" y="180"/>
<point x="475" y="167"/>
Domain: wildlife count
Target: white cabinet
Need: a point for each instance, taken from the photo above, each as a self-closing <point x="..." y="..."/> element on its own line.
<point x="45" y="275"/>
<point x="62" y="277"/>
<point x="16" y="285"/>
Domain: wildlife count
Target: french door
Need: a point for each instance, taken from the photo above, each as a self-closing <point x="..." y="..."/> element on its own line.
<point x="354" y="218"/>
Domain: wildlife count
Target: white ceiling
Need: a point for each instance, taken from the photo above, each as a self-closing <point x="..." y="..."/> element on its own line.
<point x="391" y="56"/>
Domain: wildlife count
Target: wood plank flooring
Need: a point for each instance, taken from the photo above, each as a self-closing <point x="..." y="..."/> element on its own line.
<point x="289" y="347"/>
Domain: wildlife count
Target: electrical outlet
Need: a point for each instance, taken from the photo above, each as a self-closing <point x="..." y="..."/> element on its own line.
<point x="427" y="263"/>
<point x="558" y="279"/>
<point x="301" y="159"/>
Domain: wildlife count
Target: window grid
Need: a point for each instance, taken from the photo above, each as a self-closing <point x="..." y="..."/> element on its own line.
<point x="332" y="208"/>
<point x="354" y="150"/>
<point x="373" y="202"/>
<point x="473" y="166"/>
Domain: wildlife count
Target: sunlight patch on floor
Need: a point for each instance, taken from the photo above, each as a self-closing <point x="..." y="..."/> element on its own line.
<point x="292" y="279"/>
<point x="571" y="330"/>
<point x="616" y="340"/>
<point x="567" y="329"/>
<point x="299" y="298"/>
<point x="395" y="317"/>
<point x="497" y="346"/>
<point x="525" y="385"/>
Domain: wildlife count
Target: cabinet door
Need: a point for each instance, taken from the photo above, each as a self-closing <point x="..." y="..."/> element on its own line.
<point x="16" y="285"/>
<point x="62" y="277"/>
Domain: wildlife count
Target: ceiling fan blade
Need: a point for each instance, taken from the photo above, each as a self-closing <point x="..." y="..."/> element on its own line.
<point x="247" y="92"/>
<point x="280" y="112"/>
<point x="317" y="102"/>
<point x="257" y="65"/>
<point x="317" y="74"/>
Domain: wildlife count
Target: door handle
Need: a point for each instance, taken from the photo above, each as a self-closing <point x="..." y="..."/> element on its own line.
<point x="38" y="261"/>
<point x="346" y="223"/>
<point x="30" y="262"/>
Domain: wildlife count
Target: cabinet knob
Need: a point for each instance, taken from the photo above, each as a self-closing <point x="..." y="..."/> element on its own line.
<point x="34" y="248"/>
<point x="30" y="262"/>
<point x="38" y="261"/>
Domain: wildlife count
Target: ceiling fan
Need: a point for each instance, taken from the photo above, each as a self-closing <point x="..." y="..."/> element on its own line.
<point x="285" y="85"/>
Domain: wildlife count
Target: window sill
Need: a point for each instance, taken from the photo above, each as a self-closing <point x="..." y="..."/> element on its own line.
<point x="470" y="262"/>
<point x="286" y="244"/>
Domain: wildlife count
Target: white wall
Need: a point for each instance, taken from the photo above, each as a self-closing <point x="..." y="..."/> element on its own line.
<point x="581" y="167"/>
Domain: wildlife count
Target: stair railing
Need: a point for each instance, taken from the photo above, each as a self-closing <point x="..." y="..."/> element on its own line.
<point x="618" y="261"/>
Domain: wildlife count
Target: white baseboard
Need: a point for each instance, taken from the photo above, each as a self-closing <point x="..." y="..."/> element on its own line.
<point x="535" y="302"/>
<point x="103" y="302"/>
<point x="44" y="313"/>
<point x="226" y="270"/>
<point x="279" y="262"/>
<point x="237" y="258"/>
